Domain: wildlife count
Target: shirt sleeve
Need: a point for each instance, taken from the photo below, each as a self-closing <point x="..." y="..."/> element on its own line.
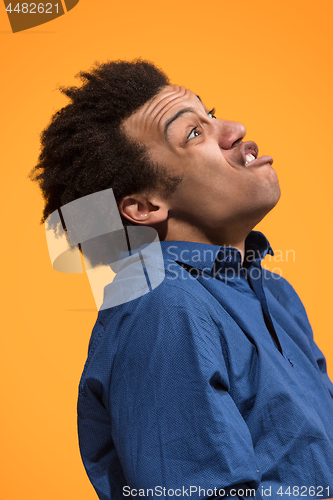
<point x="169" y="420"/>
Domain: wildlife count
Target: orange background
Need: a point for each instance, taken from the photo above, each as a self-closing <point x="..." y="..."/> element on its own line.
<point x="266" y="64"/>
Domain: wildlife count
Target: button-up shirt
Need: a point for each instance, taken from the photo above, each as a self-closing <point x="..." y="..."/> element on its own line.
<point x="210" y="384"/>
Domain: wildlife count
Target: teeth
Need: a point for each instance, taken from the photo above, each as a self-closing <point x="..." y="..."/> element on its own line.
<point x="249" y="157"/>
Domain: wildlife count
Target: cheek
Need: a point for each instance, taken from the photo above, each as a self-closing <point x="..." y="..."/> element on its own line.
<point x="209" y="165"/>
<point x="205" y="170"/>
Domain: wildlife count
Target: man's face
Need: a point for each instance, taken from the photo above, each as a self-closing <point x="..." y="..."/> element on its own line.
<point x="222" y="185"/>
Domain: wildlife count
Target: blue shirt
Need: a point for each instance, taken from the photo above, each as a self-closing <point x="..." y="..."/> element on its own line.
<point x="210" y="380"/>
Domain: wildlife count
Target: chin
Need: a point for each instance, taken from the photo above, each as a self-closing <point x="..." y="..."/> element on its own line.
<point x="275" y="195"/>
<point x="272" y="192"/>
<point x="266" y="204"/>
<point x="270" y="205"/>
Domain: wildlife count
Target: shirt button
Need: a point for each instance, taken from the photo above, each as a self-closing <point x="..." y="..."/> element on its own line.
<point x="228" y="258"/>
<point x="292" y="364"/>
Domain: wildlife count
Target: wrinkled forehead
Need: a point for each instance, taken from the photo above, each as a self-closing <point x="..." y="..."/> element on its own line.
<point x="148" y="122"/>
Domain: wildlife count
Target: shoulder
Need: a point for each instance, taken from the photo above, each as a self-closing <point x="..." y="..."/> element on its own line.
<point x="134" y="292"/>
<point x="177" y="294"/>
<point x="172" y="313"/>
<point x="281" y="288"/>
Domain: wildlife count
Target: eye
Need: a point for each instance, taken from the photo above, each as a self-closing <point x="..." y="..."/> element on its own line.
<point x="194" y="133"/>
<point x="211" y="113"/>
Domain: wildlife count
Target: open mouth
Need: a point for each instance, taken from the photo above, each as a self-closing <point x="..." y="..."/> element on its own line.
<point x="250" y="151"/>
<point x="250" y="156"/>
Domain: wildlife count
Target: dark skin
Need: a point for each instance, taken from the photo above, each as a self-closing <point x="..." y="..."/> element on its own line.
<point x="224" y="192"/>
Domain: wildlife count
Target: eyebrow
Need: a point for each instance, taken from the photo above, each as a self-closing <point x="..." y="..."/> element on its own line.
<point x="175" y="117"/>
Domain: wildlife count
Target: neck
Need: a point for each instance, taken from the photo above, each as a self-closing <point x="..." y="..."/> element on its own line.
<point x="230" y="238"/>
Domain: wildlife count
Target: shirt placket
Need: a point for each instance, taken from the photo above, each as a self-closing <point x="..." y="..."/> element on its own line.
<point x="254" y="277"/>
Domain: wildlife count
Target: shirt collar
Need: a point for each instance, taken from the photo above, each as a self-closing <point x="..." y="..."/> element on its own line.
<point x="204" y="256"/>
<point x="257" y="246"/>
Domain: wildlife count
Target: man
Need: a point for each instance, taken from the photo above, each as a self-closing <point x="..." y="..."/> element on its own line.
<point x="210" y="385"/>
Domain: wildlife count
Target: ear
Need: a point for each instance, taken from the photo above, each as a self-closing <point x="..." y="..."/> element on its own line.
<point x="144" y="210"/>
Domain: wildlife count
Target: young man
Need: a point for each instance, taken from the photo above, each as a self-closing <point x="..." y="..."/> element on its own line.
<point x="210" y="385"/>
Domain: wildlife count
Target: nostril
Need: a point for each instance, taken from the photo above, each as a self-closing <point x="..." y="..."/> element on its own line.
<point x="234" y="144"/>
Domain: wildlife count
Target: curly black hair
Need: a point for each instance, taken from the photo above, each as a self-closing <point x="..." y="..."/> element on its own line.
<point x="84" y="150"/>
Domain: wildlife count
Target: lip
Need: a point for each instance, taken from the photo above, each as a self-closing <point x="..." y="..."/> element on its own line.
<point x="250" y="147"/>
<point x="261" y="160"/>
<point x="247" y="148"/>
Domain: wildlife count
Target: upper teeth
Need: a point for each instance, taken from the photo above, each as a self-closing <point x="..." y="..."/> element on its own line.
<point x="249" y="157"/>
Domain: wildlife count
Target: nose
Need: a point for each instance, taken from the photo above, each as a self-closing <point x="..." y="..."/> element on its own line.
<point x="230" y="132"/>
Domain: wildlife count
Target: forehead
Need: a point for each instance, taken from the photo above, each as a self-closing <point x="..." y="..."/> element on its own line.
<point x="148" y="122"/>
